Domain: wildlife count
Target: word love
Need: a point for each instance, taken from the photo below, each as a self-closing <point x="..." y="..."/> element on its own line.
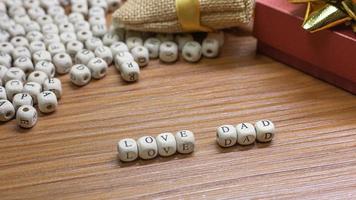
<point x="245" y="133"/>
<point x="148" y="147"/>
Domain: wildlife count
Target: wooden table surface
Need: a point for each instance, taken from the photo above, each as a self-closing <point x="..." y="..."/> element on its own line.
<point x="71" y="154"/>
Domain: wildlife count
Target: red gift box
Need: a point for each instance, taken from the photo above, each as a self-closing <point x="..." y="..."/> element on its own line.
<point x="329" y="54"/>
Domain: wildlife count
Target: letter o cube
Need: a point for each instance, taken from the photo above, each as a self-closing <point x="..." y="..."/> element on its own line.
<point x="147" y="147"/>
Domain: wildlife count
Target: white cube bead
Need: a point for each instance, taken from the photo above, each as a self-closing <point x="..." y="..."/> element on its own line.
<point x="67" y="37"/>
<point x="26" y="116"/>
<point x="37" y="76"/>
<point x="110" y="38"/>
<point x="3" y="70"/>
<point x="61" y="19"/>
<point x="50" y="29"/>
<point x="98" y="68"/>
<point x="16" y="30"/>
<point x="22" y="19"/>
<point x="147" y="147"/>
<point x="100" y="3"/>
<point x="226" y="135"/>
<point x="41" y="55"/>
<point x="19" y="41"/>
<point x="37" y="46"/>
<point x="219" y="36"/>
<point x="181" y="39"/>
<point x="32" y="26"/>
<point x="132" y="42"/>
<point x="185" y="141"/>
<point x="54" y="85"/>
<point x="99" y="30"/>
<point x="21" y="99"/>
<point x="56" y="9"/>
<point x="75" y="17"/>
<point x="152" y="45"/>
<point x="7" y="110"/>
<point x="4" y="36"/>
<point x="13" y="87"/>
<point x="46" y="67"/>
<point x="31" y="3"/>
<point x="140" y="54"/>
<point x="127" y="149"/>
<point x="3" y="94"/>
<point x="80" y="75"/>
<point x="81" y="8"/>
<point x="210" y="47"/>
<point x="92" y="43"/>
<point x="83" y="56"/>
<point x="82" y="26"/>
<point x="104" y="53"/>
<point x="25" y="64"/>
<point x="55" y="48"/>
<point x="62" y="62"/>
<point x="265" y="130"/>
<point x="47" y="102"/>
<point x="5" y="59"/>
<point x="94" y="20"/>
<point x="96" y="11"/>
<point x="168" y="52"/>
<point x="15" y="73"/>
<point x="20" y="51"/>
<point x="34" y="36"/>
<point x="36" y="12"/>
<point x="191" y="51"/>
<point x="130" y="71"/>
<point x="118" y="47"/>
<point x="122" y="57"/>
<point x="66" y="27"/>
<point x="166" y="143"/>
<point x="45" y="19"/>
<point x="33" y="89"/>
<point x="246" y="133"/>
<point x="84" y="35"/>
<point x="165" y="37"/>
<point x="51" y="38"/>
<point x="7" y="47"/>
<point x="73" y="47"/>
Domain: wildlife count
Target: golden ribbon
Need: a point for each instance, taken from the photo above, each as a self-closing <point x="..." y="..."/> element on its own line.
<point x="188" y="12"/>
<point x="323" y="14"/>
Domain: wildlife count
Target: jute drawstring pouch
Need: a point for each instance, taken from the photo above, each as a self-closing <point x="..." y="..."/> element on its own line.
<point x="174" y="16"/>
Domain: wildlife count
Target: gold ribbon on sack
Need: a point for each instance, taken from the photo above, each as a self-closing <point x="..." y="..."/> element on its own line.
<point x="323" y="14"/>
<point x="188" y="12"/>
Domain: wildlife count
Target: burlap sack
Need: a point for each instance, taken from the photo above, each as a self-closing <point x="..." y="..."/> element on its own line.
<point x="161" y="15"/>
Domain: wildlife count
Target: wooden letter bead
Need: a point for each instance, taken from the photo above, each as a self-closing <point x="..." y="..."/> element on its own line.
<point x="20" y="51"/>
<point x="7" y="110"/>
<point x="98" y="68"/>
<point x="152" y="44"/>
<point x="66" y="27"/>
<point x="83" y="56"/>
<point x="147" y="147"/>
<point x="122" y="57"/>
<point x="168" y="52"/>
<point x="265" y="130"/>
<point x="5" y="59"/>
<point x="26" y="116"/>
<point x="185" y="141"/>
<point x="3" y="71"/>
<point x="46" y="67"/>
<point x="127" y="149"/>
<point x="110" y="38"/>
<point x="33" y="89"/>
<point x="21" y="99"/>
<point x="42" y="55"/>
<point x="7" y="47"/>
<point x="67" y="37"/>
<point x="104" y="53"/>
<point x="63" y="63"/>
<point x="99" y="30"/>
<point x="140" y="55"/>
<point x="182" y="39"/>
<point x="84" y="35"/>
<point x="210" y="48"/>
<point x="55" y="48"/>
<point x="51" y="38"/>
<point x="15" y="73"/>
<point x="37" y="46"/>
<point x="130" y="71"/>
<point x="133" y="42"/>
<point x="37" y="76"/>
<point x="166" y="143"/>
<point x="13" y="87"/>
<point x="118" y="47"/>
<point x="54" y="85"/>
<point x="92" y="43"/>
<point x="191" y="51"/>
<point x="73" y="47"/>
<point x="226" y="135"/>
<point x="80" y="75"/>
<point x="47" y="102"/>
<point x="246" y="133"/>
<point x="25" y="64"/>
<point x="3" y="93"/>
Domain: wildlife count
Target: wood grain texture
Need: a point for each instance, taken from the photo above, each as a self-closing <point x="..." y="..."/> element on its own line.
<point x="71" y="154"/>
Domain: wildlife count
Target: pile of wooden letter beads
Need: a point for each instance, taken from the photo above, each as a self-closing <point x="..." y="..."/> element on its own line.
<point x="245" y="133"/>
<point x="39" y="40"/>
<point x="148" y="147"/>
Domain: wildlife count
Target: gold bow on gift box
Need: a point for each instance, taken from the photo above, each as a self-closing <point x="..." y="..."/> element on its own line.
<point x="323" y="14"/>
